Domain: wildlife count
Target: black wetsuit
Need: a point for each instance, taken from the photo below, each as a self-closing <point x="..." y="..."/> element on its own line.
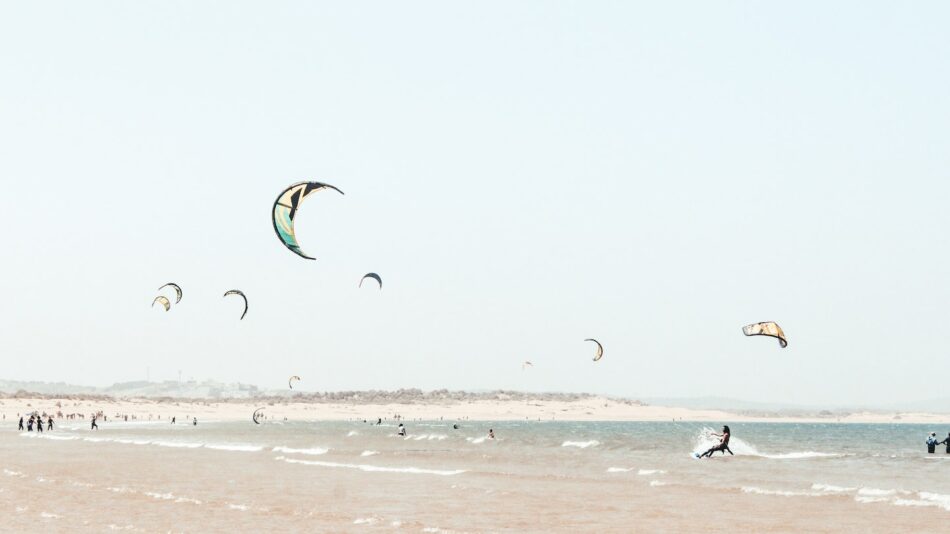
<point x="722" y="447"/>
<point x="946" y="442"/>
<point x="21" y="423"/>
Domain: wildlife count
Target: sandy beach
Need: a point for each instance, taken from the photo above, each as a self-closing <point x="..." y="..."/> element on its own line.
<point x="589" y="409"/>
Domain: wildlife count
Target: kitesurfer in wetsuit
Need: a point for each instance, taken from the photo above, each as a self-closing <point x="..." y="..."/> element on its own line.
<point x="723" y="444"/>
<point x="932" y="442"/>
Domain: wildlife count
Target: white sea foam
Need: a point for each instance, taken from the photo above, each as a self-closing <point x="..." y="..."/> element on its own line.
<point x="427" y="437"/>
<point x="868" y="500"/>
<point x="240" y="507"/>
<point x="832" y="489"/>
<point x="655" y="483"/>
<point x="47" y="515"/>
<point x="783" y="493"/>
<point x="643" y="472"/>
<point x="874" y="492"/>
<point x="619" y="469"/>
<point x="913" y="502"/>
<point x="476" y="441"/>
<point x="364" y="520"/>
<point x="12" y="473"/>
<point x="178" y="444"/>
<point x="369" y="453"/>
<point x="316" y="451"/>
<point x="235" y="448"/>
<point x="374" y="468"/>
<point x="352" y="433"/>
<point x="160" y="496"/>
<point x="581" y="444"/>
<point x="944" y="500"/>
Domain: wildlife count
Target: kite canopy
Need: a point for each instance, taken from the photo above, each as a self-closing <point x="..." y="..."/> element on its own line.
<point x="767" y="328"/>
<point x="177" y="289"/>
<point x="241" y="294"/>
<point x="285" y="211"/>
<point x="526" y="364"/>
<point x="374" y="276"/>
<point x="257" y="413"/>
<point x="290" y="381"/>
<point x="600" y="349"/>
<point x="163" y="301"/>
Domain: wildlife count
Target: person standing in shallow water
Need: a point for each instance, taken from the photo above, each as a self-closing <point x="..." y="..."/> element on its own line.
<point x="932" y="443"/>
<point x="49" y="423"/>
<point x="21" y="423"/>
<point x="94" y="426"/>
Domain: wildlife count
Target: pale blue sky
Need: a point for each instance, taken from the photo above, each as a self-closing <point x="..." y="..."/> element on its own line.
<point x="523" y="175"/>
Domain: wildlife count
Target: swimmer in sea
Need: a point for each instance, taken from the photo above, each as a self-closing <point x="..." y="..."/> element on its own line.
<point x="723" y="444"/>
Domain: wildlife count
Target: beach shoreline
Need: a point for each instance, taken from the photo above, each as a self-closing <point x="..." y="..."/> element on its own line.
<point x="585" y="409"/>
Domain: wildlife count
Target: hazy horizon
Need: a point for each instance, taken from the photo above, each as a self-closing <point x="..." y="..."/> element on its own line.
<point x="522" y="176"/>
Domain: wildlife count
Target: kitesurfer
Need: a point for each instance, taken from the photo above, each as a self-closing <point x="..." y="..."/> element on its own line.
<point x="723" y="445"/>
<point x="173" y="420"/>
<point x="21" y="423"/>
<point x="932" y="442"/>
<point x="94" y="426"/>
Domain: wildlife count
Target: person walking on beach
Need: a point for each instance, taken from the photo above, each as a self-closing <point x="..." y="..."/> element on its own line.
<point x="723" y="445"/>
<point x="21" y="424"/>
<point x="94" y="426"/>
<point x="49" y="423"/>
<point x="932" y="443"/>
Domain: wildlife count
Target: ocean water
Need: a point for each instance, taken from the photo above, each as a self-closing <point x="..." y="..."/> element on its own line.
<point x="535" y="476"/>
